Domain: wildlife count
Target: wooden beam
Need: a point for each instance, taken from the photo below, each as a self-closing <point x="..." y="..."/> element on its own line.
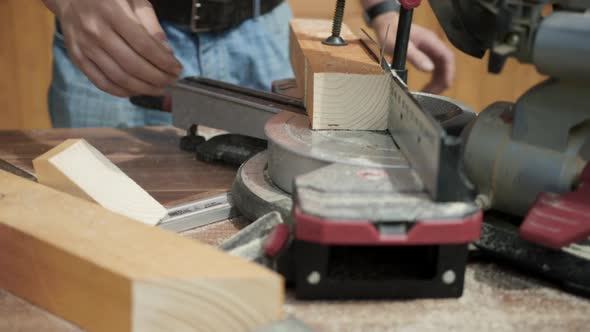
<point x="105" y="272"/>
<point x="77" y="168"/>
<point x="343" y="86"/>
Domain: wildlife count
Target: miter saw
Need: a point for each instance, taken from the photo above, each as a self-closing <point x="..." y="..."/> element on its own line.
<point x="369" y="214"/>
<point x="389" y="214"/>
<point x="362" y="221"/>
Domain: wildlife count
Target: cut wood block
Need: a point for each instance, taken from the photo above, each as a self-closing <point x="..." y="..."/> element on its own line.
<point x="106" y="272"/>
<point x="344" y="86"/>
<point x="77" y="168"/>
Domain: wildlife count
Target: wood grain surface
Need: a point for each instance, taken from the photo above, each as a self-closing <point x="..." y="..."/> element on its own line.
<point x="495" y="298"/>
<point x="344" y="87"/>
<point x="77" y="168"/>
<point x="150" y="156"/>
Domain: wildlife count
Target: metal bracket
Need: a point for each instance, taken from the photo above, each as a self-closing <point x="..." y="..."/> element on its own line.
<point x="226" y="106"/>
<point x="199" y="213"/>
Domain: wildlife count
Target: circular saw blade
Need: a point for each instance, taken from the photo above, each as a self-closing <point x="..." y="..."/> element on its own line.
<point x="264" y="183"/>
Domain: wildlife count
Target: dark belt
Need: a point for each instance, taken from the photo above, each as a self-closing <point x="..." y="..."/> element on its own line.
<point x="211" y="15"/>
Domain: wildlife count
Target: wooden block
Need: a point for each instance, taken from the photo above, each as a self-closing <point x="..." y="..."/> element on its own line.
<point x="344" y="86"/>
<point x="77" y="168"/>
<point x="106" y="272"/>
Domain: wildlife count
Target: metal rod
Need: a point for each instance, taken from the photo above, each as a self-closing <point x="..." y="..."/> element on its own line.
<point x="199" y="213"/>
<point x="402" y="41"/>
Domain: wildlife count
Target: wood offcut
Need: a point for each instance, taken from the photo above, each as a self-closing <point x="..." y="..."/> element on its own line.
<point x="77" y="168"/>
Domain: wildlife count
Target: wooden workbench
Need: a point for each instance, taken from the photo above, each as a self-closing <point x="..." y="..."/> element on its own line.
<point x="495" y="299"/>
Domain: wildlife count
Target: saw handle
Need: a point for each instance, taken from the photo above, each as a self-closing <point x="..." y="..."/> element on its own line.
<point x="410" y="4"/>
<point x="157" y="103"/>
<point x="558" y="220"/>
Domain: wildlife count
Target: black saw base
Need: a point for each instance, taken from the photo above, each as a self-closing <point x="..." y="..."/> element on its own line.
<point x="374" y="272"/>
<point x="568" y="268"/>
<point x="230" y="149"/>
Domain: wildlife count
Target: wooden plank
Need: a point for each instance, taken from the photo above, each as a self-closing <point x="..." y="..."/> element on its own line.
<point x="105" y="272"/>
<point x="77" y="168"/>
<point x="344" y="87"/>
<point x="19" y="315"/>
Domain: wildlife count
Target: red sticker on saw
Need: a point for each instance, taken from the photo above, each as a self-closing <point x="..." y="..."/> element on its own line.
<point x="371" y="174"/>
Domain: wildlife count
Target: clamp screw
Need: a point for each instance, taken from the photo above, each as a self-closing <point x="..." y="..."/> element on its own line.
<point x="335" y="39"/>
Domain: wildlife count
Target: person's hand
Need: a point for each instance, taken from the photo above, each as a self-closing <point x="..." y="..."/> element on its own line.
<point x="118" y="44"/>
<point x="426" y="51"/>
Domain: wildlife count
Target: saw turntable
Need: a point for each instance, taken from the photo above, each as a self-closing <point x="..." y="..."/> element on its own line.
<point x="356" y="210"/>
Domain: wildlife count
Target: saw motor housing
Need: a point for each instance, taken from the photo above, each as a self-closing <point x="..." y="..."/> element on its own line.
<point x="516" y="152"/>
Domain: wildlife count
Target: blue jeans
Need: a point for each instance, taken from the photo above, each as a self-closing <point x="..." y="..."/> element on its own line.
<point x="254" y="54"/>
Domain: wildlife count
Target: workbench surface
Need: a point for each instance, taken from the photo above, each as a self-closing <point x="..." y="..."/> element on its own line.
<point x="495" y="298"/>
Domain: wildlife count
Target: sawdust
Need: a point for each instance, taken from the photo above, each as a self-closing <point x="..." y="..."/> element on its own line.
<point x="495" y="299"/>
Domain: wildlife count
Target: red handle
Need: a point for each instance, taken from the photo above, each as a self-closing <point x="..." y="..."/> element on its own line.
<point x="556" y="220"/>
<point x="410" y="4"/>
<point x="276" y="240"/>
